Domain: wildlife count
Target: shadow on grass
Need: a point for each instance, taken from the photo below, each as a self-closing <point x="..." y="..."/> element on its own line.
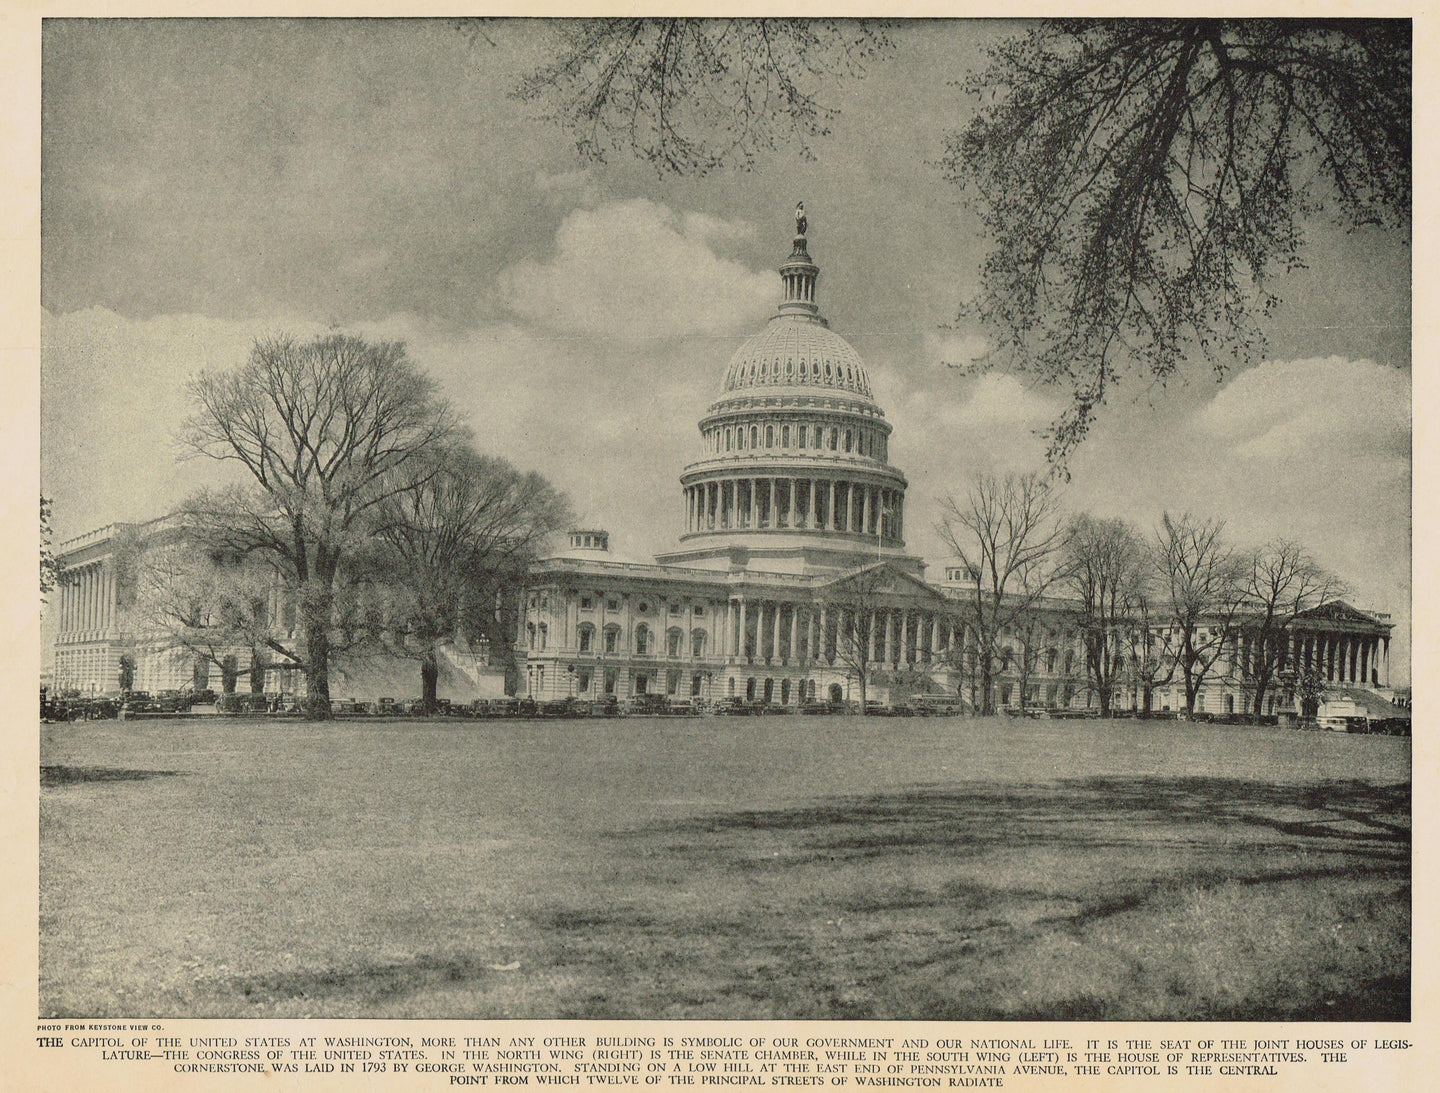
<point x="1354" y="818"/>
<point x="359" y="985"/>
<point x="69" y="776"/>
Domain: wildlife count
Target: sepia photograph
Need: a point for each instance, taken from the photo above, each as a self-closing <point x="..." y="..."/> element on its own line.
<point x="726" y="519"/>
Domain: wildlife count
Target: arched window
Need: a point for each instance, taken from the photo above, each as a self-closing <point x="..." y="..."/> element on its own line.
<point x="847" y="440"/>
<point x="642" y="640"/>
<point x="834" y="438"/>
<point x="769" y="436"/>
<point x="1005" y="655"/>
<point x="1050" y="660"/>
<point x="612" y="639"/>
<point x="827" y="371"/>
<point x="784" y="436"/>
<point x="754" y="436"/>
<point x="697" y="643"/>
<point x="789" y="369"/>
<point x="800" y="435"/>
<point x="674" y="642"/>
<point x="530" y="630"/>
<point x="544" y="633"/>
<point x="587" y="637"/>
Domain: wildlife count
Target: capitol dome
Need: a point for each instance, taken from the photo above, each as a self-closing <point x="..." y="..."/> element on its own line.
<point x="795" y="473"/>
<point x="797" y="351"/>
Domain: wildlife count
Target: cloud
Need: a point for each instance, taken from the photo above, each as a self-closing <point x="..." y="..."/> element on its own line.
<point x="637" y="272"/>
<point x="1289" y="409"/>
<point x="955" y="350"/>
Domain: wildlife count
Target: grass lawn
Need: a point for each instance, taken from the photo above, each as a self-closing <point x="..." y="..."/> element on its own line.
<point x="782" y="867"/>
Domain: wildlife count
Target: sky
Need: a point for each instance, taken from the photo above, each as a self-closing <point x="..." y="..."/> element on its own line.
<point x="204" y="184"/>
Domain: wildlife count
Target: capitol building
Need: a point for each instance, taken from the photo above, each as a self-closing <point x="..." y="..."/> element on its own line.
<point x="791" y="581"/>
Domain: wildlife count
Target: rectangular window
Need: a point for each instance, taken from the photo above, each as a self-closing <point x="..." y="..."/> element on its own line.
<point x="584" y="603"/>
<point x="610" y="640"/>
<point x="699" y="609"/>
<point x="612" y="604"/>
<point x="582" y="680"/>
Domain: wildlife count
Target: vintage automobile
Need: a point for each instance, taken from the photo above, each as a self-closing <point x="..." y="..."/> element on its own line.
<point x="650" y="704"/>
<point x="172" y="702"/>
<point x="135" y="702"/>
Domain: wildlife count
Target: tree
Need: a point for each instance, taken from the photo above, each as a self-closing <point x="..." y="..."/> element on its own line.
<point x="691" y="95"/>
<point x="1310" y="690"/>
<point x="1103" y="567"/>
<point x="180" y="593"/>
<point x="1202" y="582"/>
<point x="49" y="570"/>
<point x="459" y="527"/>
<point x="324" y="428"/>
<point x="1282" y="582"/>
<point x="856" y="598"/>
<point x="1141" y="179"/>
<point x="1146" y="667"/>
<point x="1007" y="535"/>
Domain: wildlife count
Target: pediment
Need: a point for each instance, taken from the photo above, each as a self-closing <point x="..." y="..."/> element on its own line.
<point x="1337" y="611"/>
<point x="880" y="580"/>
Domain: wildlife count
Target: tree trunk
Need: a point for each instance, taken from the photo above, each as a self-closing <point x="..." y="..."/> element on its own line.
<point x="429" y="676"/>
<point x="317" y="671"/>
<point x="987" y="692"/>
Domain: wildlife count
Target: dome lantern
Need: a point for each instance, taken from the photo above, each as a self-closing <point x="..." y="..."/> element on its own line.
<point x="800" y="273"/>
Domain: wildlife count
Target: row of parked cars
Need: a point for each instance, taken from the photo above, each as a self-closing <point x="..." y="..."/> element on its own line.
<point x="140" y="704"/>
<point x="95" y="707"/>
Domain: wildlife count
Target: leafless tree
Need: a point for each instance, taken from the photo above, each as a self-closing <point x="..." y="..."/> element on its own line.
<point x="177" y="594"/>
<point x="322" y="427"/>
<point x="1007" y="535"/>
<point x="692" y="95"/>
<point x="1200" y="580"/>
<point x="1140" y="179"/>
<point x="857" y="598"/>
<point x="1282" y="582"/>
<point x="1104" y="562"/>
<point x="461" y="526"/>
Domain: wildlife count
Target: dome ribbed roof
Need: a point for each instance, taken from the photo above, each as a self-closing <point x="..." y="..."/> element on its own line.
<point x="796" y="351"/>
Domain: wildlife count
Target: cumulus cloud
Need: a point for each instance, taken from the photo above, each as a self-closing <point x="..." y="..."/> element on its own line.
<point x="955" y="350"/>
<point x="637" y="272"/>
<point x="1281" y="409"/>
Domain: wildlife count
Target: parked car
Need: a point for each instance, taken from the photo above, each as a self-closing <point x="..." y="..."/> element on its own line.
<point x="101" y="707"/>
<point x="650" y="704"/>
<point x="387" y="706"/>
<point x="134" y="702"/>
<point x="172" y="702"/>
